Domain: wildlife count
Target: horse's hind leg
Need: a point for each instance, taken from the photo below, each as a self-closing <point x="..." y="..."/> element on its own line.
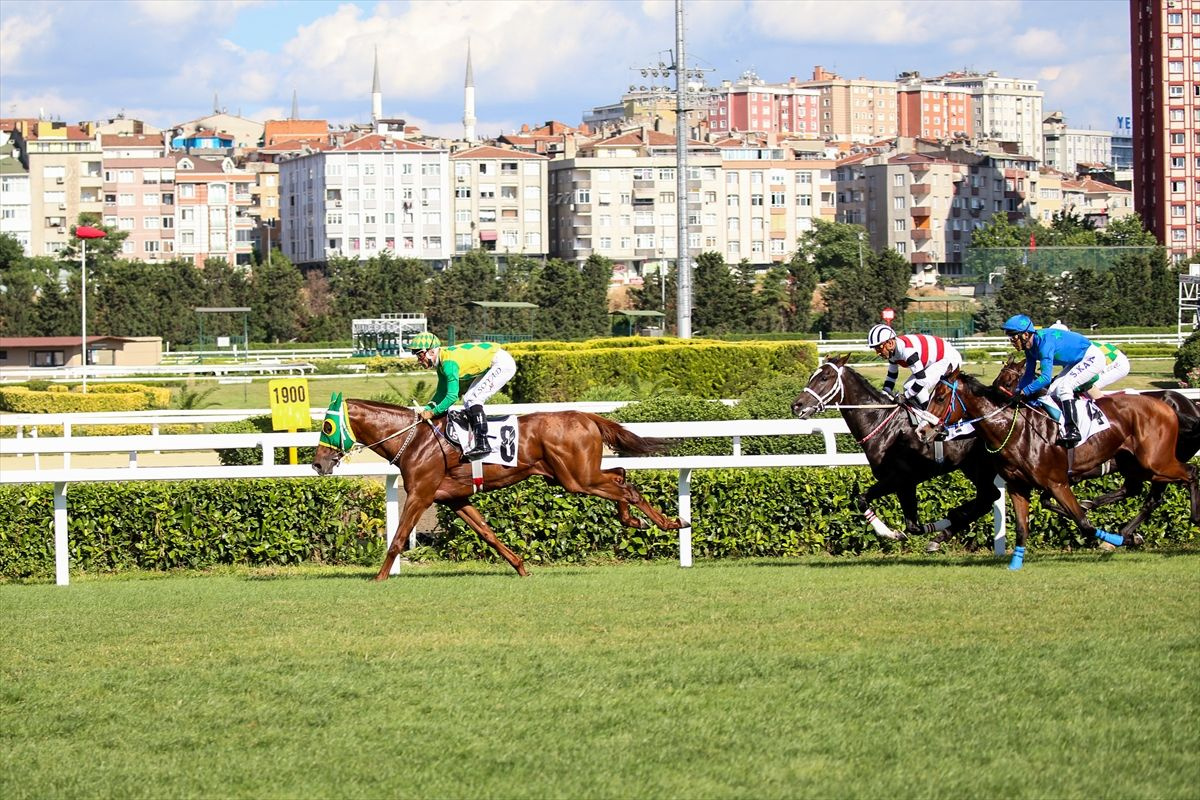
<point x="610" y="484"/>
<point x="627" y="519"/>
<point x="1153" y="501"/>
<point x="470" y="515"/>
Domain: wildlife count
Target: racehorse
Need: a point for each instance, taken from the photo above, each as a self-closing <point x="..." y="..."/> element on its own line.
<point x="898" y="461"/>
<point x="565" y="447"/>
<point x="1142" y="429"/>
<point x="1187" y="444"/>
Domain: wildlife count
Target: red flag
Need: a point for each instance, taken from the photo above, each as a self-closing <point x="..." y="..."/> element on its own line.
<point x="1032" y="242"/>
<point x="88" y="232"/>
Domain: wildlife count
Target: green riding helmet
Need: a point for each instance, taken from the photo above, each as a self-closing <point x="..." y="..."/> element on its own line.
<point x="423" y="341"/>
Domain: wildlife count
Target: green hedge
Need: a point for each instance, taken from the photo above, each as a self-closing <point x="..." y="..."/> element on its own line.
<point x="58" y="398"/>
<point x="193" y="524"/>
<point x="701" y="368"/>
<point x="761" y="513"/>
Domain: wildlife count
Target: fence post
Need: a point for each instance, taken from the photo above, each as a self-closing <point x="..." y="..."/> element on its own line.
<point x="62" y="575"/>
<point x="391" y="516"/>
<point x="685" y="513"/>
<point x="998" y="518"/>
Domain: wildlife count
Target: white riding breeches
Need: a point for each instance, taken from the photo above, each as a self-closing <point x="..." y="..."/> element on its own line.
<point x="502" y="369"/>
<point x="920" y="389"/>
<point x="1063" y="387"/>
<point x="1113" y="371"/>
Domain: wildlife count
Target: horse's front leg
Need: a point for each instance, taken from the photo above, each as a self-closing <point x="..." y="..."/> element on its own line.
<point x="417" y="500"/>
<point x="1020" y="504"/>
<point x="863" y="500"/>
<point x="470" y="515"/>
<point x="1066" y="498"/>
<point x="961" y="517"/>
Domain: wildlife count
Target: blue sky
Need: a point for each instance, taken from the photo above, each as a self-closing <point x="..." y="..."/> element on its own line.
<point x="534" y="60"/>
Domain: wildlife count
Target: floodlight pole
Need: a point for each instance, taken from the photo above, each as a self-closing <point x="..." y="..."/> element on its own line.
<point x="83" y="311"/>
<point x="683" y="302"/>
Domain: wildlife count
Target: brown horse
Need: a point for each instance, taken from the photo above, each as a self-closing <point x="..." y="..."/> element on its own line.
<point x="1187" y="444"/>
<point x="1143" y="429"/>
<point x="565" y="447"/>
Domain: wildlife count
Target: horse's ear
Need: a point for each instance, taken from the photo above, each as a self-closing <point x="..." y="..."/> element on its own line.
<point x="842" y="359"/>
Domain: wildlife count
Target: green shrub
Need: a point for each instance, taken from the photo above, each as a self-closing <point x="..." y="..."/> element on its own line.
<point x="193" y="524"/>
<point x="20" y="400"/>
<point x="1187" y="357"/>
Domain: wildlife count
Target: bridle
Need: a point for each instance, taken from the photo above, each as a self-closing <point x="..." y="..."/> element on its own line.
<point x="838" y="390"/>
<point x="339" y="453"/>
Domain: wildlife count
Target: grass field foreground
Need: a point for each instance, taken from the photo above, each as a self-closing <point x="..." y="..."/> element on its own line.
<point x="888" y="677"/>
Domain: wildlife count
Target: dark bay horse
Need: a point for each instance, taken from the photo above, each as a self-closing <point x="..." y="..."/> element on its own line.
<point x="1143" y="429"/>
<point x="1187" y="444"/>
<point x="899" y="462"/>
<point x="565" y="447"/>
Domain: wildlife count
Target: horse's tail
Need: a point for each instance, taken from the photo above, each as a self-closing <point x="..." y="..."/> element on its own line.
<point x="625" y="441"/>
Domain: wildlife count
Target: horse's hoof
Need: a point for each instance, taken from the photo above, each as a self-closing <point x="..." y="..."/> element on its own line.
<point x="1134" y="540"/>
<point x="1105" y="547"/>
<point x="933" y="547"/>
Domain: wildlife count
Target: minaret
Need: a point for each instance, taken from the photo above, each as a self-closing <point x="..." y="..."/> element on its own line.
<point x="376" y="93"/>
<point x="469" y="101"/>
<point x="295" y="105"/>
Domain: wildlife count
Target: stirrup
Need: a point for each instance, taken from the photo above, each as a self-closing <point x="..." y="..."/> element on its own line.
<point x="477" y="452"/>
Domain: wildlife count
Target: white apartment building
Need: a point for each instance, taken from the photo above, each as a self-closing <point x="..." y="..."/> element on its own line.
<point x="65" y="179"/>
<point x="1005" y="109"/>
<point x="15" y="216"/>
<point x="617" y="198"/>
<point x="499" y="201"/>
<point x="366" y="196"/>
<point x="1066" y="148"/>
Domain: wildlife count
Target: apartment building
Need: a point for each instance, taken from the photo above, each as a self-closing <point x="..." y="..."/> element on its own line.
<point x="770" y="199"/>
<point x="854" y="110"/>
<point x="212" y="219"/>
<point x="499" y="201"/>
<point x="66" y="180"/>
<point x="1099" y="202"/>
<point x="15" y="215"/>
<point x="139" y="194"/>
<point x="750" y="104"/>
<point x="1004" y="109"/>
<point x="1166" y="108"/>
<point x="933" y="111"/>
<point x="374" y="193"/>
<point x="1067" y="148"/>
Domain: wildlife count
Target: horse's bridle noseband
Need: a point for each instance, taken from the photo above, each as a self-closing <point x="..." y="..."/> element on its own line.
<point x="838" y="387"/>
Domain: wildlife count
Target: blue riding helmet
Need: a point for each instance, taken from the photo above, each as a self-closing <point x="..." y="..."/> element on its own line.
<point x="1018" y="323"/>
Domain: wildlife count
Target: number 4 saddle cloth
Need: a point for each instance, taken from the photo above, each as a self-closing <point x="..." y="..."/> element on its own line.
<point x="502" y="434"/>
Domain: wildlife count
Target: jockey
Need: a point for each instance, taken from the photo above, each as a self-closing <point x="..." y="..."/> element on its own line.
<point x="484" y="365"/>
<point x="929" y="358"/>
<point x="1116" y="367"/>
<point x="1080" y="359"/>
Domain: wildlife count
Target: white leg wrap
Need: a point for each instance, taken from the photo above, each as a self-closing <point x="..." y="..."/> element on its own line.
<point x="941" y="525"/>
<point x="881" y="528"/>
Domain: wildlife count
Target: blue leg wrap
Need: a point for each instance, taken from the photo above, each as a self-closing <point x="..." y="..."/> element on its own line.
<point x="1111" y="538"/>
<point x="1018" y="558"/>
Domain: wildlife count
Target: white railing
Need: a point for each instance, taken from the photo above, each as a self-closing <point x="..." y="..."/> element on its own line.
<point x="153" y="372"/>
<point x="270" y="442"/>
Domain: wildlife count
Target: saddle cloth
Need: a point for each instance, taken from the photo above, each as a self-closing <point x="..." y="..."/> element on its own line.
<point x="502" y="434"/>
<point x="1088" y="415"/>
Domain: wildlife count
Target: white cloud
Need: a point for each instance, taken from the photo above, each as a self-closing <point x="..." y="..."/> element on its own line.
<point x="875" y="21"/>
<point x="18" y="33"/>
<point x="173" y="13"/>
<point x="1038" y="44"/>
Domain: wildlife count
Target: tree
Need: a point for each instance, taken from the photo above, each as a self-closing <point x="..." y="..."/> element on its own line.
<point x="275" y="301"/>
<point x="1127" y="231"/>
<point x="558" y="291"/>
<point x="855" y="297"/>
<point x="830" y="246"/>
<point x="1087" y="297"/>
<point x="471" y="277"/>
<point x="1025" y="291"/>
<point x="714" y="296"/>
<point x="596" y="276"/>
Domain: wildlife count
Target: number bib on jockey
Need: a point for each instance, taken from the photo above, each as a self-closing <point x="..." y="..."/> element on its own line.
<point x="502" y="433"/>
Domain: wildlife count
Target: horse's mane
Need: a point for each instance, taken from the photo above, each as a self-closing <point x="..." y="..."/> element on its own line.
<point x="981" y="389"/>
<point x="861" y="380"/>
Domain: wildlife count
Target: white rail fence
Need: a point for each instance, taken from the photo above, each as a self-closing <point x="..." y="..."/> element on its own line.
<point x="272" y="442"/>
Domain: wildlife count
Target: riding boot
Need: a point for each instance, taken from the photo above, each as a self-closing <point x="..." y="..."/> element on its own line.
<point x="1070" y="436"/>
<point x="481" y="445"/>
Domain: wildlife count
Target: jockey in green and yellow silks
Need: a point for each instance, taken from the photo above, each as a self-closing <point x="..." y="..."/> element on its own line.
<point x="486" y="367"/>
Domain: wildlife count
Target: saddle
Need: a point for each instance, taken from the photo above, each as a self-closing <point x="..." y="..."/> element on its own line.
<point x="502" y="434"/>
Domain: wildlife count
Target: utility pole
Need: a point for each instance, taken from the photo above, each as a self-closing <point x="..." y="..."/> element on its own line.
<point x="687" y="92"/>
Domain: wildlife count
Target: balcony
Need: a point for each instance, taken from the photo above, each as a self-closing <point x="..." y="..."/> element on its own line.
<point x="919" y="188"/>
<point x="922" y="258"/>
<point x="921" y="234"/>
<point x="919" y="211"/>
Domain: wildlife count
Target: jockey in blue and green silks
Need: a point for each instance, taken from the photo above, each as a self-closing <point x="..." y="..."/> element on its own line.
<point x="335" y="428"/>
<point x="485" y="366"/>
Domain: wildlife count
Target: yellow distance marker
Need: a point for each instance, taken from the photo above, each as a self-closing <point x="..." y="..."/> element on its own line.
<point x="289" y="407"/>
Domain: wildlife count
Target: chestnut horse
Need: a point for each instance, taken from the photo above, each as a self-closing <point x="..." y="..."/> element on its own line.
<point x="898" y="461"/>
<point x="1142" y="429"/>
<point x="565" y="447"/>
<point x="1187" y="444"/>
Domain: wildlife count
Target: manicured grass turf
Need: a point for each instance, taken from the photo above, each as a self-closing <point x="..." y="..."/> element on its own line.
<point x="875" y="678"/>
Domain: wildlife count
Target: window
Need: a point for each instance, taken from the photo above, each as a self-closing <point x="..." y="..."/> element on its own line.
<point x="756" y="199"/>
<point x="666" y="197"/>
<point x="902" y="248"/>
<point x="898" y="203"/>
<point x="778" y="199"/>
<point x="898" y="179"/>
<point x="48" y="358"/>
<point x="900" y="224"/>
<point x="508" y="192"/>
